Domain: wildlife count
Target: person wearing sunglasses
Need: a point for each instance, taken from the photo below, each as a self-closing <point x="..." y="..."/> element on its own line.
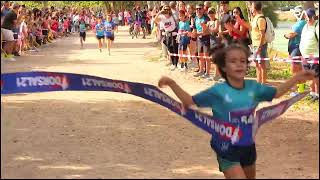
<point x="203" y="37"/>
<point x="170" y="26"/>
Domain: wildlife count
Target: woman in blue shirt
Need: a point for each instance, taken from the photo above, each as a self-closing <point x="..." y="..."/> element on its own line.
<point x="234" y="95"/>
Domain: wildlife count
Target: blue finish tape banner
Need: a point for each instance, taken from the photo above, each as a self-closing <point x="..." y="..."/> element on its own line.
<point x="239" y="131"/>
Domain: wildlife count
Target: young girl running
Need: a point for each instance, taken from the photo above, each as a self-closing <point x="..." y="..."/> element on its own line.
<point x="82" y="29"/>
<point x="109" y="34"/>
<point x="99" y="28"/>
<point x="234" y="94"/>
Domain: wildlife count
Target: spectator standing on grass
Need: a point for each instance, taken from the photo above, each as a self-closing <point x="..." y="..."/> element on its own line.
<point x="260" y="46"/>
<point x="294" y="37"/>
<point x="310" y="46"/>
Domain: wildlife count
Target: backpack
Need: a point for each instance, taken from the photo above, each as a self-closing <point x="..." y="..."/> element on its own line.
<point x="270" y="34"/>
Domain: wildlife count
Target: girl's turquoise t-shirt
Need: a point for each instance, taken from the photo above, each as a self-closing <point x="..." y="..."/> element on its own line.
<point x="82" y="27"/>
<point x="223" y="99"/>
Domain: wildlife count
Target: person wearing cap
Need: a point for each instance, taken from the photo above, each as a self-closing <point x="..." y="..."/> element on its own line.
<point x="9" y="23"/>
<point x="294" y="37"/>
<point x="310" y="46"/>
<point x="203" y="37"/>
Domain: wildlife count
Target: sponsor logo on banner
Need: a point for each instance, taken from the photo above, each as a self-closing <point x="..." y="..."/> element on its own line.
<point x="272" y="113"/>
<point x="165" y="98"/>
<point x="226" y="130"/>
<point x="52" y="80"/>
<point x="239" y="130"/>
<point x="106" y="84"/>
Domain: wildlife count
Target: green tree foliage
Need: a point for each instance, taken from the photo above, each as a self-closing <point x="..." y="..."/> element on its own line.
<point x="269" y="8"/>
<point x="86" y="4"/>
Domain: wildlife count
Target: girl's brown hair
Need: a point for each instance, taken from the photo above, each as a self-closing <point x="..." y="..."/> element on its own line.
<point x="219" y="52"/>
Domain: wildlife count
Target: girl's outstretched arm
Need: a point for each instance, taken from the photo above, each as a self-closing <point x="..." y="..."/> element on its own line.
<point x="184" y="97"/>
<point x="300" y="77"/>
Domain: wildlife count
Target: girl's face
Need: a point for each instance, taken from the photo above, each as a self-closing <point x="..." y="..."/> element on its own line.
<point x="236" y="64"/>
<point x="212" y="16"/>
<point x="182" y="6"/>
<point x="182" y="17"/>
<point x="235" y="12"/>
<point x="108" y="18"/>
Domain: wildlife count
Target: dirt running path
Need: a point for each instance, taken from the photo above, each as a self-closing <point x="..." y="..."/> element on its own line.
<point x="112" y="135"/>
